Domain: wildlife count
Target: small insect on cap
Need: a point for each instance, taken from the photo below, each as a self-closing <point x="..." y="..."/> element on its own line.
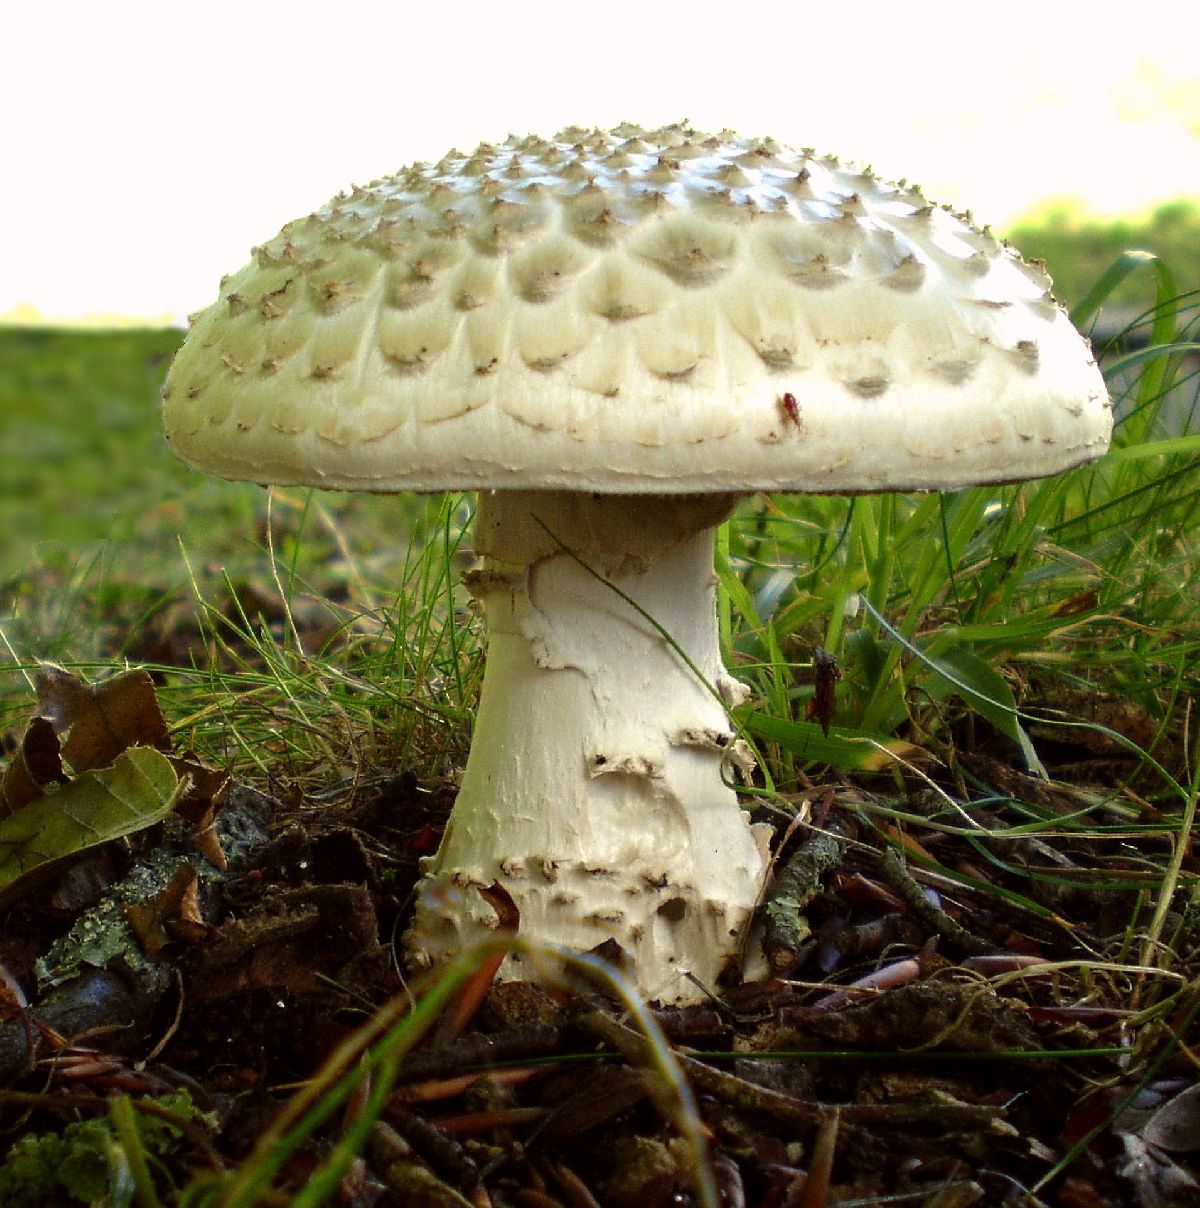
<point x="632" y="310"/>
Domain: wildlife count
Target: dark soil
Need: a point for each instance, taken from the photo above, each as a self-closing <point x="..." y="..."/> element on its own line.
<point x="950" y="1085"/>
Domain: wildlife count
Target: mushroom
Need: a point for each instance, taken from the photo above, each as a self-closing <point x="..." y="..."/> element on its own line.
<point x="612" y="335"/>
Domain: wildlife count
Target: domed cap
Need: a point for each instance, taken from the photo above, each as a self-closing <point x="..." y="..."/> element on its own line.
<point x="629" y="310"/>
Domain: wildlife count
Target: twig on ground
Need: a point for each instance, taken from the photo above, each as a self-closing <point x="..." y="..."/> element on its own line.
<point x="797" y="882"/>
<point x="896" y="873"/>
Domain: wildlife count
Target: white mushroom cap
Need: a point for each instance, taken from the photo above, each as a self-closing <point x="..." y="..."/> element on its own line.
<point x="661" y="311"/>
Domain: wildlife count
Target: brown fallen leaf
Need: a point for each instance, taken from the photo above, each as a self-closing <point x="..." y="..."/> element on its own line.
<point x="96" y="722"/>
<point x="88" y="726"/>
<point x="204" y="835"/>
<point x="171" y="916"/>
<point x="36" y="764"/>
<point x="206" y="794"/>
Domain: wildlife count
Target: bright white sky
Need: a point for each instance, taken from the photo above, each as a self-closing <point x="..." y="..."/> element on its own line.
<point x="147" y="146"/>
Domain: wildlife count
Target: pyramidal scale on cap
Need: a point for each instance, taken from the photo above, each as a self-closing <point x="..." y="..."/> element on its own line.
<point x="612" y="335"/>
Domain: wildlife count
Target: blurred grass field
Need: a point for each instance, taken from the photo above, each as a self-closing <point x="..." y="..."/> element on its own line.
<point x="87" y="471"/>
<point x="83" y="460"/>
<point x="101" y="527"/>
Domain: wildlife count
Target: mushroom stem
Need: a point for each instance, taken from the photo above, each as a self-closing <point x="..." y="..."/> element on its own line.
<point x="595" y="790"/>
